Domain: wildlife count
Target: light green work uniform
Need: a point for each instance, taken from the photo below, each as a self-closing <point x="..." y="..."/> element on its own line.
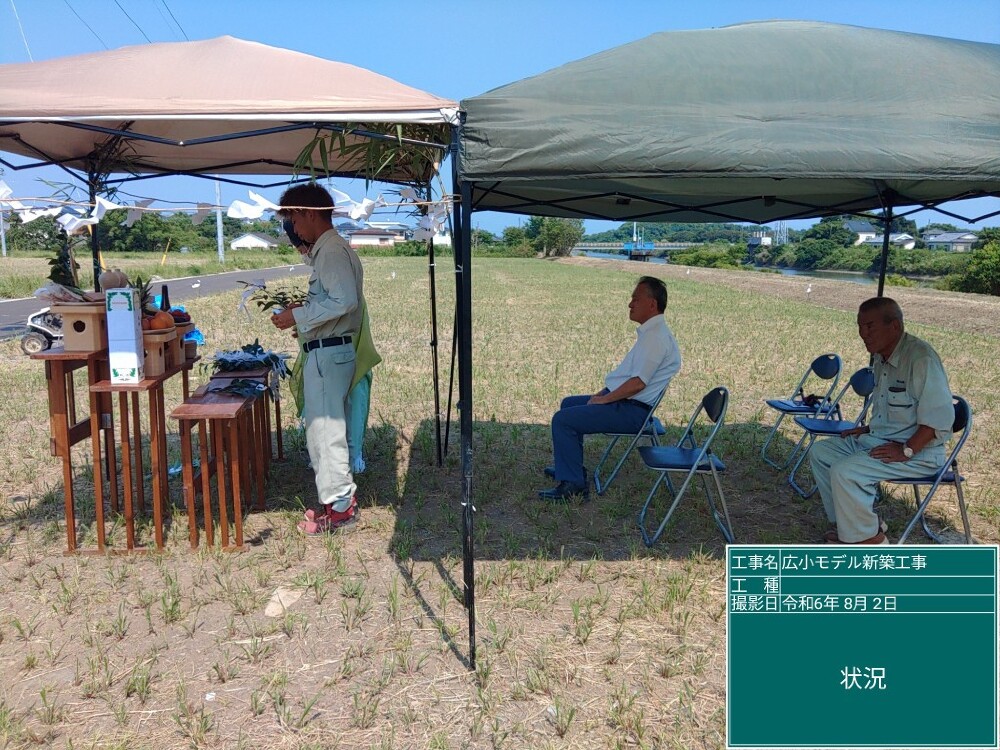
<point x="332" y="309"/>
<point x="911" y="389"/>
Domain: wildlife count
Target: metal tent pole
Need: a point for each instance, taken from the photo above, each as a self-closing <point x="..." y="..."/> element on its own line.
<point x="95" y="246"/>
<point x="451" y="372"/>
<point x="885" y="249"/>
<point x="434" y="340"/>
<point x="463" y="319"/>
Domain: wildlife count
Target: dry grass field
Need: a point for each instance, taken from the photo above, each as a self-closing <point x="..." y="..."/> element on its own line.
<point x="586" y="638"/>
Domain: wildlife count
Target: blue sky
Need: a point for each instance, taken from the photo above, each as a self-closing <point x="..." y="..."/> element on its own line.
<point x="452" y="48"/>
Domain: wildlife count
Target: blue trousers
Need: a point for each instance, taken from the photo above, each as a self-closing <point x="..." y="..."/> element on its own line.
<point x="576" y="418"/>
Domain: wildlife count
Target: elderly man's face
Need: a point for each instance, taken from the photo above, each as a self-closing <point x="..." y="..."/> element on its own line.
<point x="879" y="334"/>
<point x="642" y="306"/>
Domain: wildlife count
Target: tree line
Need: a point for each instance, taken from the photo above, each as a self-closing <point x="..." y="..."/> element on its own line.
<point x="153" y="232"/>
<point x="827" y="245"/>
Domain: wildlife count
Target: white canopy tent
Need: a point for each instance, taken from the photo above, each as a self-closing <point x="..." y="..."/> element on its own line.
<point x="224" y="109"/>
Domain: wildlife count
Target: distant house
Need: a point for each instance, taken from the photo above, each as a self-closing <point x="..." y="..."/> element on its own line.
<point x="905" y="241"/>
<point x="863" y="230"/>
<point x="759" y="241"/>
<point x="398" y="229"/>
<point x="253" y="241"/>
<point x="955" y="242"/>
<point x="373" y="238"/>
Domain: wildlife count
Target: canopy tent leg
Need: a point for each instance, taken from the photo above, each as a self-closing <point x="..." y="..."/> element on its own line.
<point x="451" y="373"/>
<point x="95" y="246"/>
<point x="463" y="320"/>
<point x="434" y="341"/>
<point x="884" y="262"/>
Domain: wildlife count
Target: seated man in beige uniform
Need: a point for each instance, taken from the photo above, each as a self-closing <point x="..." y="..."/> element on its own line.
<point x="910" y="422"/>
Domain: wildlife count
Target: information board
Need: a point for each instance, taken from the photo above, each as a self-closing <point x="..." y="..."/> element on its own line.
<point x="861" y="647"/>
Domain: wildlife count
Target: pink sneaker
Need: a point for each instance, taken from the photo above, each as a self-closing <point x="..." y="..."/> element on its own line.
<point x="326" y="520"/>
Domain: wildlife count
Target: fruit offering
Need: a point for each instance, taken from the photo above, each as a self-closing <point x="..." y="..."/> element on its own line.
<point x="180" y="317"/>
<point x="160" y="321"/>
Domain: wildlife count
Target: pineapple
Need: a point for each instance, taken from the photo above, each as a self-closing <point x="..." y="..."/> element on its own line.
<point x="145" y="295"/>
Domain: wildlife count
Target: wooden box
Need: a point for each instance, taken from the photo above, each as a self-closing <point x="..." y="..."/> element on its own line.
<point x="85" y="325"/>
<point x="157" y="345"/>
<point x="182" y="329"/>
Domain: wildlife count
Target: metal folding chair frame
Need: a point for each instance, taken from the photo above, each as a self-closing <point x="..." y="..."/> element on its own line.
<point x="862" y="383"/>
<point x="678" y="459"/>
<point x="648" y="431"/>
<point x="825" y="367"/>
<point x="947" y="474"/>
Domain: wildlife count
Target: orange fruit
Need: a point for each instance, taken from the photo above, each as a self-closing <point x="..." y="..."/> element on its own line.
<point x="161" y="321"/>
<point x="146" y="323"/>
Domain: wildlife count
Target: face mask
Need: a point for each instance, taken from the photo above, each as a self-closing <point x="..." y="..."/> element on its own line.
<point x="292" y="237"/>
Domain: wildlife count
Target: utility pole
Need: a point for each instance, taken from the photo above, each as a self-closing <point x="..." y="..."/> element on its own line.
<point x="218" y="223"/>
<point x="3" y="233"/>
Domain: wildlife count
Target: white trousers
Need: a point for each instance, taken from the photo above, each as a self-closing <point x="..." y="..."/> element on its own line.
<point x="848" y="480"/>
<point x="326" y="380"/>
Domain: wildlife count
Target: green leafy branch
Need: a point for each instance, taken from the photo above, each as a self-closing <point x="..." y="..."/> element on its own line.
<point x="392" y="151"/>
<point x="267" y="299"/>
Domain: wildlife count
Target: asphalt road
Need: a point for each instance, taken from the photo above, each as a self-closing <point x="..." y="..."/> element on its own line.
<point x="14" y="313"/>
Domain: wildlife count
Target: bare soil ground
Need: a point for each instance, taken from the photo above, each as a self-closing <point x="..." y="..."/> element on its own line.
<point x="586" y="638"/>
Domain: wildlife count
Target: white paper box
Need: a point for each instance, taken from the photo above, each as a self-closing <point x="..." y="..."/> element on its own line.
<point x="124" y="315"/>
<point x="126" y="367"/>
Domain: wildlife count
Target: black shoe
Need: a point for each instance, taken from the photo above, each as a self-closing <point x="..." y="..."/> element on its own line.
<point x="565" y="491"/>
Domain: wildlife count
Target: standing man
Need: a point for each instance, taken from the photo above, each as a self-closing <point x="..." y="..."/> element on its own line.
<point x="326" y="324"/>
<point x="911" y="419"/>
<point x="629" y="392"/>
<point x="366" y="358"/>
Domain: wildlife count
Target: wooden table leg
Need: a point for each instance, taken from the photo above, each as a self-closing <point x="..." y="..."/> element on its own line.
<point x="236" y="459"/>
<point x="70" y="397"/>
<point x="206" y="479"/>
<point x="158" y="468"/>
<point x="219" y="438"/>
<point x="187" y="472"/>
<point x="55" y="380"/>
<point x="99" y="404"/>
<point x="140" y="479"/>
<point x="95" y="435"/>
<point x="126" y="441"/>
<point x="261" y="438"/>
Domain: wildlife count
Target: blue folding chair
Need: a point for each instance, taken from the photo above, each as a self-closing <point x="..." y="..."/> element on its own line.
<point x="826" y="367"/>
<point x="691" y="458"/>
<point x="862" y="383"/>
<point x="651" y="430"/>
<point x="947" y="474"/>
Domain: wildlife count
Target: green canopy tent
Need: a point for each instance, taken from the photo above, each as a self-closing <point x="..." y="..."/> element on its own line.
<point x="755" y="122"/>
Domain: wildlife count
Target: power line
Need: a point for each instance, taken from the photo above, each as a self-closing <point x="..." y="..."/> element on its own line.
<point x="84" y="22"/>
<point x="173" y="32"/>
<point x="21" y="28"/>
<point x="164" y="2"/>
<point x="148" y="40"/>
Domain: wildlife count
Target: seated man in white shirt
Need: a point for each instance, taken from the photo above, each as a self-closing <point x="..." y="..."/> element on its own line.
<point x="630" y="389"/>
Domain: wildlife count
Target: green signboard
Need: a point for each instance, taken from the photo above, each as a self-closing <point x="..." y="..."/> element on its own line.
<point x="833" y="646"/>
